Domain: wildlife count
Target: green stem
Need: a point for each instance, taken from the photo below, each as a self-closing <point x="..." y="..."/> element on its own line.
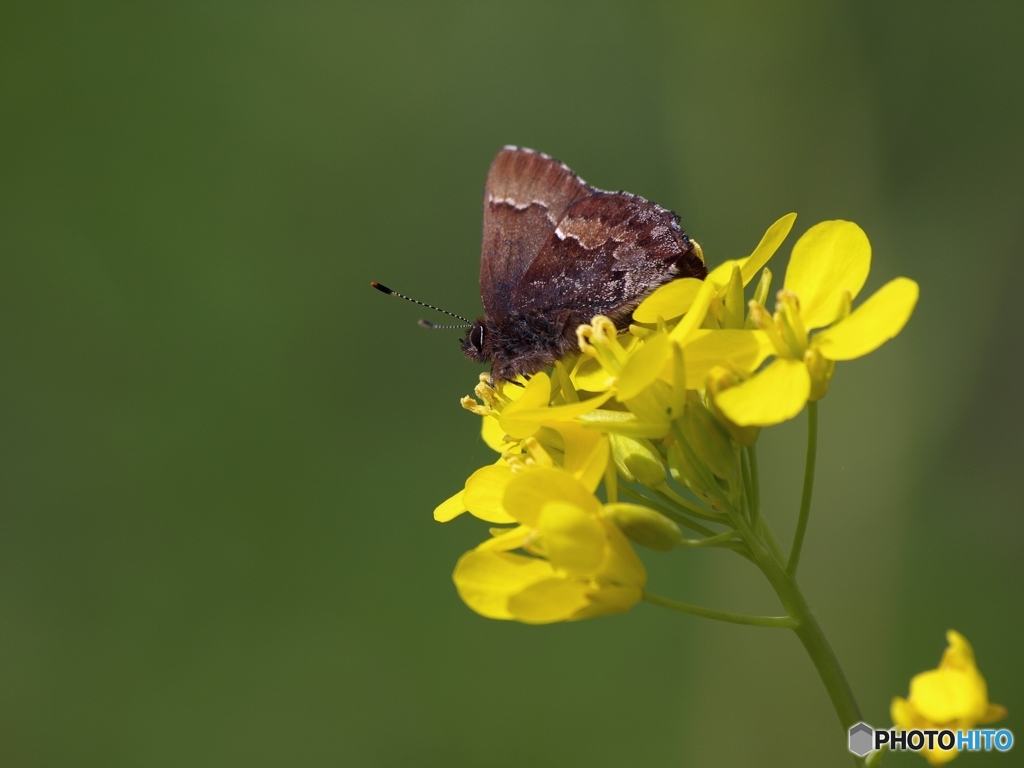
<point x="665" y="493"/>
<point x="813" y="639"/>
<point x="875" y="758"/>
<point x="748" y="490"/>
<point x="755" y="485"/>
<point x="773" y="543"/>
<point x="805" y="501"/>
<point x="783" y="622"/>
<point x="816" y="644"/>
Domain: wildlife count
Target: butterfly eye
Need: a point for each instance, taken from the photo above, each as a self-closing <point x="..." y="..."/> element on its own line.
<point x="476" y="337"/>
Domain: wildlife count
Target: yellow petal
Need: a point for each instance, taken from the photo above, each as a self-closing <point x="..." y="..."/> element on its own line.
<point x="829" y="258"/>
<point x="536" y="395"/>
<point x="529" y="491"/>
<point x="677" y="372"/>
<point x="872" y="324"/>
<point x="936" y="756"/>
<point x="745" y="350"/>
<point x="992" y="713"/>
<point x="777" y="232"/>
<point x="720" y="274"/>
<point x="507" y="539"/>
<point x="904" y="715"/>
<point x="697" y="312"/>
<point x="623" y="423"/>
<point x="547" y="601"/>
<point x="513" y="391"/>
<point x="750" y="266"/>
<point x="669" y="301"/>
<point x="487" y="580"/>
<point x="524" y="423"/>
<point x="573" y="540"/>
<point x="772" y="396"/>
<point x="644" y="366"/>
<point x="485" y="490"/>
<point x="608" y="600"/>
<point x="942" y="695"/>
<point x="959" y="654"/>
<point x="494" y="435"/>
<point x="450" y="508"/>
<point x="588" y="375"/>
<point x="586" y="452"/>
<point x="623" y="566"/>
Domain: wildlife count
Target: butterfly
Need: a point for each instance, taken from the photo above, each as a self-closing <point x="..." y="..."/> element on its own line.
<point x="556" y="252"/>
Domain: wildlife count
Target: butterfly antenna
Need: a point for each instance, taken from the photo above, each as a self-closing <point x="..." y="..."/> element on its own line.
<point x="424" y="323"/>
<point x="435" y="327"/>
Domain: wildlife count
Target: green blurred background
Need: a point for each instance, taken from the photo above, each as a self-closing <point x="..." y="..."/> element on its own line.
<point x="221" y="449"/>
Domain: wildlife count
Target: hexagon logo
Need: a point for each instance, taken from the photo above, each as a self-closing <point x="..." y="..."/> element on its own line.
<point x="861" y="737"/>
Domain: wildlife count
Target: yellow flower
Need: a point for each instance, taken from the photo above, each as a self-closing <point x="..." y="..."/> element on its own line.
<point x="579" y="565"/>
<point x="829" y="266"/>
<point x="533" y="408"/>
<point x="952" y="697"/>
<point x="649" y="405"/>
<point x="649" y="377"/>
<point x="523" y="417"/>
<point x="711" y="333"/>
<point x="582" y="452"/>
<point x="511" y="413"/>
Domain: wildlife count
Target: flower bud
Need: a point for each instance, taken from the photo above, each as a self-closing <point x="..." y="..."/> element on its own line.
<point x="764" y="287"/>
<point x="685" y="473"/>
<point x="710" y="440"/>
<point x="714" y="319"/>
<point x="637" y="460"/>
<point x="734" y="305"/>
<point x="645" y="526"/>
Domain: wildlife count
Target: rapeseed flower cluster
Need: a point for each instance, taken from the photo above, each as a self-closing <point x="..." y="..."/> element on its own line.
<point x="664" y="414"/>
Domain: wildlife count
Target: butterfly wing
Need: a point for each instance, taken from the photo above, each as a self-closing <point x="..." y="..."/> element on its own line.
<point x="527" y="193"/>
<point x="607" y="252"/>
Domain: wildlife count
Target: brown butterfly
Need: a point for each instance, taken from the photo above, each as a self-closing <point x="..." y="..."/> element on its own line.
<point x="556" y="252"/>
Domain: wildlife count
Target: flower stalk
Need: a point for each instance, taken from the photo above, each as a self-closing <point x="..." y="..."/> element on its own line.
<point x="805" y="498"/>
<point x="778" y="622"/>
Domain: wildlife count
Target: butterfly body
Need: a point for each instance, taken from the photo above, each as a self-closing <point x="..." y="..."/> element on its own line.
<point x="556" y="252"/>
